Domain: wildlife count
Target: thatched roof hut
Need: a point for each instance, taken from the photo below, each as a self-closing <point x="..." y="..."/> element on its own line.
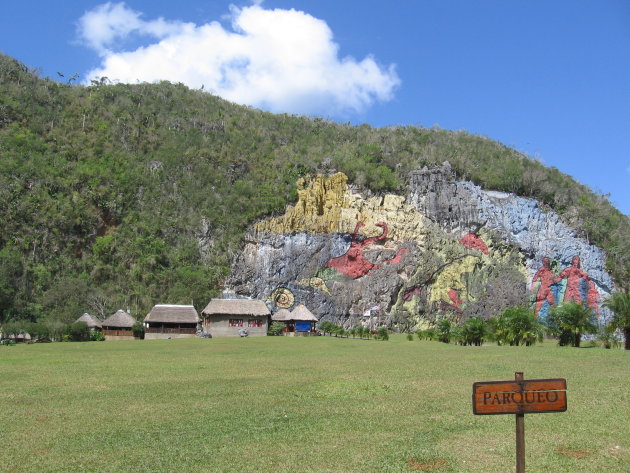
<point x="173" y="314"/>
<point x="236" y="317"/>
<point x="91" y="321"/>
<point x="236" y="307"/>
<point x="171" y="321"/>
<point x="119" y="320"/>
<point x="282" y="315"/>
<point x="303" y="314"/>
<point x="300" y="321"/>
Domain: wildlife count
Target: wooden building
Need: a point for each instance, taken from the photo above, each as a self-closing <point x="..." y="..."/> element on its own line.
<point x="171" y="321"/>
<point x="118" y="326"/>
<point x="300" y="321"/>
<point x="93" y="322"/>
<point x="232" y="317"/>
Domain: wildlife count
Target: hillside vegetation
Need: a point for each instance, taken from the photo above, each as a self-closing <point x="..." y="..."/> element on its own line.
<point x="118" y="195"/>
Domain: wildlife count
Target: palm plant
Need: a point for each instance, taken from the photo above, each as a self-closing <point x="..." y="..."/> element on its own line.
<point x="444" y="330"/>
<point x="619" y="303"/>
<point x="570" y="320"/>
<point x="517" y="326"/>
<point x="473" y="332"/>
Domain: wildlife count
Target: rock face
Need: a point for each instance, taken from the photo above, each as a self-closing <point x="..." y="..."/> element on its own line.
<point x="446" y="247"/>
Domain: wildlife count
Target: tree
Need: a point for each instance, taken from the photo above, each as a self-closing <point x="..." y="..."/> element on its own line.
<point x="570" y="320"/>
<point x="619" y="303"/>
<point x="79" y="332"/>
<point x="516" y="326"/>
<point x="473" y="332"/>
<point x="444" y="330"/>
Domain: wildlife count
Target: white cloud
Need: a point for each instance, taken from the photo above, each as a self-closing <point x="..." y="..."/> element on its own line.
<point x="280" y="60"/>
<point x="101" y="27"/>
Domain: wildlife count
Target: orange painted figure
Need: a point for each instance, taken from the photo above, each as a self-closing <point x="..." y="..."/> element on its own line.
<point x="574" y="276"/>
<point x="546" y="277"/>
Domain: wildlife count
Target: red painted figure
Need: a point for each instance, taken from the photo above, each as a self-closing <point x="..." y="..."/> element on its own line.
<point x="454" y="297"/>
<point x="473" y="241"/>
<point x="573" y="274"/>
<point x="546" y="276"/>
<point x="593" y="298"/>
<point x="353" y="264"/>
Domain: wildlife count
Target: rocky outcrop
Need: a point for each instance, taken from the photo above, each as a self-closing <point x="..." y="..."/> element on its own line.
<point x="462" y="207"/>
<point x="441" y="248"/>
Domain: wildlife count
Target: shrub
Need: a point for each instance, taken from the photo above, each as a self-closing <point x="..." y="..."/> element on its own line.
<point x="569" y="321"/>
<point x="382" y="334"/>
<point x="473" y="332"/>
<point x="444" y="331"/>
<point x="517" y="326"/>
<point x="410" y="337"/>
<point x="97" y="336"/>
<point x="138" y="330"/>
<point x="275" y="328"/>
<point x="78" y="332"/>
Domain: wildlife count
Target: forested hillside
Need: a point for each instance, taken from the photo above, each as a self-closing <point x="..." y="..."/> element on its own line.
<point x="123" y="196"/>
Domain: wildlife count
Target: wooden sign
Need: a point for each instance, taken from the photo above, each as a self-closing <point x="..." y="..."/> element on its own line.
<point x="520" y="397"/>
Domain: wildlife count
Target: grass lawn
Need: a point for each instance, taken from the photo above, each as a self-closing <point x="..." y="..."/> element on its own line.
<point x="320" y="404"/>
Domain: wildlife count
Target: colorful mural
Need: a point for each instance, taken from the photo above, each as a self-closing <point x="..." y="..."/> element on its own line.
<point x="571" y="285"/>
<point x="574" y="276"/>
<point x="472" y="241"/>
<point x="545" y="293"/>
<point x="353" y="263"/>
<point x="320" y="250"/>
<point x="283" y="297"/>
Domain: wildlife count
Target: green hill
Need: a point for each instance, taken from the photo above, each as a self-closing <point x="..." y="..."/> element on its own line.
<point x="119" y="195"/>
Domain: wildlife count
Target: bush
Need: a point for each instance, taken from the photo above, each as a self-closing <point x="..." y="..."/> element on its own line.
<point x="517" y="326"/>
<point x="97" y="336"/>
<point x="428" y="334"/>
<point x="473" y="332"/>
<point x="138" y="330"/>
<point x="275" y="328"/>
<point x="382" y="334"/>
<point x="78" y="332"/>
<point x="444" y="331"/>
<point x="569" y="321"/>
<point x="410" y="337"/>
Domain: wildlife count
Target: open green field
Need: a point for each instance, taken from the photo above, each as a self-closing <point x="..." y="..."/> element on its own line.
<point x="320" y="404"/>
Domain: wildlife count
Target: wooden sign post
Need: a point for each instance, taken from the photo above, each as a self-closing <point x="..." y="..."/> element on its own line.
<point x="520" y="397"/>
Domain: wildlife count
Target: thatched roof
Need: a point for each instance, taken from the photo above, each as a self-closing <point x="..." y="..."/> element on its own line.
<point x="254" y="308"/>
<point x="120" y="319"/>
<point x="185" y="314"/>
<point x="91" y="321"/>
<point x="303" y="314"/>
<point x="283" y="315"/>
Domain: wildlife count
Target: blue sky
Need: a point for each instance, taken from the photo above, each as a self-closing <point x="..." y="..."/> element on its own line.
<point x="549" y="78"/>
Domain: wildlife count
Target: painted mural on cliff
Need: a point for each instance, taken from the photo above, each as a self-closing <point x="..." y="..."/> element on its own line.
<point x="572" y="284"/>
<point x="341" y="253"/>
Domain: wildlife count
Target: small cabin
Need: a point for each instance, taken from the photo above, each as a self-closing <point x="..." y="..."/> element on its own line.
<point x="299" y="322"/>
<point x="93" y="323"/>
<point x="171" y="321"/>
<point x="118" y="326"/>
<point x="236" y="317"/>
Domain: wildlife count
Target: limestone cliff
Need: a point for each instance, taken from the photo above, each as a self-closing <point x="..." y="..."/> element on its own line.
<point x="444" y="247"/>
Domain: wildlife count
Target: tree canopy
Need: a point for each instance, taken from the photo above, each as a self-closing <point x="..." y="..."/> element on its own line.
<point x="121" y="195"/>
